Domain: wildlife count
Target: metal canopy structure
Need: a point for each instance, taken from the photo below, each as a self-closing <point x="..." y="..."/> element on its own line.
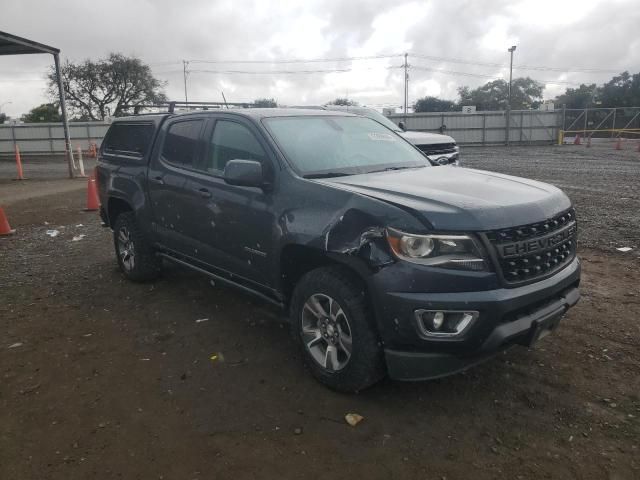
<point x="14" y="45"/>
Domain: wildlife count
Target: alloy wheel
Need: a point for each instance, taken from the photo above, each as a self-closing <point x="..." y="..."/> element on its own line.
<point x="326" y="332"/>
<point x="126" y="249"/>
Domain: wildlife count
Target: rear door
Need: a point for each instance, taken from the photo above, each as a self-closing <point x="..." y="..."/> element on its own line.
<point x="180" y="148"/>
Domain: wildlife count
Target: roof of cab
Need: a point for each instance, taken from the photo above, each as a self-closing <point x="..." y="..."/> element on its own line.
<point x="254" y="113"/>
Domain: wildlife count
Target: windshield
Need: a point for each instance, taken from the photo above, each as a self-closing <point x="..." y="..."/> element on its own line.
<point x="332" y="146"/>
<point x="378" y="117"/>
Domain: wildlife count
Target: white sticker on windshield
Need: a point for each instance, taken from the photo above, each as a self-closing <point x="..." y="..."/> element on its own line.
<point x="381" y="137"/>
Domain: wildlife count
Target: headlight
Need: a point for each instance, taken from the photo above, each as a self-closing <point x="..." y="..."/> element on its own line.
<point x="461" y="252"/>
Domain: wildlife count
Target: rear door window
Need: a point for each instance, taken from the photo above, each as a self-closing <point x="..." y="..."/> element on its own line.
<point x="131" y="139"/>
<point x="181" y="143"/>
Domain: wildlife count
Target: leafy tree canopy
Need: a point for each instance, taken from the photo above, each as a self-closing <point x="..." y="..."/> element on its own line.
<point x="621" y="91"/>
<point x="47" y="112"/>
<point x="526" y="93"/>
<point x="265" y="103"/>
<point x="98" y="89"/>
<point x="434" y="104"/>
<point x="344" y="101"/>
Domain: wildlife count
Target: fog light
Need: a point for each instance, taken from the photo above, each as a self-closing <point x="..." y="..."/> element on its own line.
<point x="438" y="320"/>
<point x="444" y="323"/>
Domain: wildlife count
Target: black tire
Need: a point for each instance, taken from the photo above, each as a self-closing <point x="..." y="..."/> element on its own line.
<point x="365" y="365"/>
<point x="141" y="264"/>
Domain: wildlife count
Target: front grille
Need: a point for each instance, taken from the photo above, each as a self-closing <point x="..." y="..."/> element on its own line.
<point x="528" y="252"/>
<point x="438" y="149"/>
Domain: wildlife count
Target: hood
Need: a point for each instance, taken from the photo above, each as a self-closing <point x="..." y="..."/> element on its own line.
<point x="459" y="199"/>
<point x="424" y="138"/>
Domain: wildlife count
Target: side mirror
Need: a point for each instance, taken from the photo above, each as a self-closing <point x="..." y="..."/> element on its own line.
<point x="244" y="173"/>
<point x="402" y="127"/>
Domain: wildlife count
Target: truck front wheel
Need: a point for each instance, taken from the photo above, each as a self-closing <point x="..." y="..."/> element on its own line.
<point x="331" y="322"/>
<point x="136" y="258"/>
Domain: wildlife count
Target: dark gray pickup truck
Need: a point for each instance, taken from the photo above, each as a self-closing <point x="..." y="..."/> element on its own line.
<point x="386" y="264"/>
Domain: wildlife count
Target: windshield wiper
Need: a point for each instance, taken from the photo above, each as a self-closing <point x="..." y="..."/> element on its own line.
<point x="327" y="175"/>
<point x="388" y="169"/>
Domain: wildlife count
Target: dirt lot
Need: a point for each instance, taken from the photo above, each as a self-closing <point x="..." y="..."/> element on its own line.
<point x="102" y="378"/>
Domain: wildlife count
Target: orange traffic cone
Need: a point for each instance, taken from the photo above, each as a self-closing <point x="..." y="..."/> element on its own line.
<point x="619" y="144"/>
<point x="93" y="202"/>
<point x="5" y="229"/>
<point x="576" y="141"/>
<point x="19" y="164"/>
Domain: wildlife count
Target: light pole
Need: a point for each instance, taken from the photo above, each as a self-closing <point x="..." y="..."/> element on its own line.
<point x="510" y="50"/>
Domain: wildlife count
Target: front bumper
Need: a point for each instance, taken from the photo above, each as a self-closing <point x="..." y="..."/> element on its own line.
<point x="508" y="316"/>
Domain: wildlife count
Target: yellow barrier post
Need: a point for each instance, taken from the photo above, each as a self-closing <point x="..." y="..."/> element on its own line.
<point x="560" y="137"/>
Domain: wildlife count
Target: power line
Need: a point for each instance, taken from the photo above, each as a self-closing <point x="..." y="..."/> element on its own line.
<point x="288" y="72"/>
<point x="515" y="66"/>
<point x="300" y="60"/>
<point x="479" y="75"/>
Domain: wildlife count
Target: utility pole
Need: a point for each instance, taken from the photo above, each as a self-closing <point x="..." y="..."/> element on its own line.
<point x="185" y="63"/>
<point x="506" y="140"/>
<point x="406" y="85"/>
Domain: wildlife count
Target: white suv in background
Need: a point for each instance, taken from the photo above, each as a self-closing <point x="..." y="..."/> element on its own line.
<point x="440" y="149"/>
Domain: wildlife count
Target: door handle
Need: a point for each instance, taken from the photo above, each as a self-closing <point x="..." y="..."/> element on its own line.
<point x="157" y="180"/>
<point x="204" y="193"/>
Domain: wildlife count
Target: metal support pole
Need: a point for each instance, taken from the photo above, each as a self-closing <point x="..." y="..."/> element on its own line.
<point x="65" y="123"/>
<point x="406" y="86"/>
<point x="584" y="131"/>
<point x="508" y="125"/>
<point x="613" y="125"/>
<point x="184" y="71"/>
<point x="13" y="136"/>
<point x="51" y="146"/>
<point x="484" y="128"/>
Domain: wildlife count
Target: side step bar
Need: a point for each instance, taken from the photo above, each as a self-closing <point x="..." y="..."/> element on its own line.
<point x="226" y="281"/>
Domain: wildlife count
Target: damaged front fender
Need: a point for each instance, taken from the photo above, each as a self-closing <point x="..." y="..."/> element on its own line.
<point x="358" y="233"/>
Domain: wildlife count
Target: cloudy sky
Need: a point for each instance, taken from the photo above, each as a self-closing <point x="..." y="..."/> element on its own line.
<point x="450" y="43"/>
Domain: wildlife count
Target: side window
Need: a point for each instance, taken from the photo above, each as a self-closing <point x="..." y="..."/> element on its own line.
<point x="181" y="143"/>
<point x="129" y="138"/>
<point x="232" y="141"/>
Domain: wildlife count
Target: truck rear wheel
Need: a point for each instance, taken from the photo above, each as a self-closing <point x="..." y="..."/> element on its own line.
<point x="331" y="322"/>
<point x="136" y="257"/>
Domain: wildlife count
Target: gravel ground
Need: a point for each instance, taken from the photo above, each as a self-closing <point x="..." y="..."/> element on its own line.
<point x="103" y="378"/>
<point x="601" y="182"/>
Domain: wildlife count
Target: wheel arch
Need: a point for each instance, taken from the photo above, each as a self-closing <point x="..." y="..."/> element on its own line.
<point x="297" y="260"/>
<point x="115" y="207"/>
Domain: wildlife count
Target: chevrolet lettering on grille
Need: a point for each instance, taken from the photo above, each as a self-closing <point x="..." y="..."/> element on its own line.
<point x="545" y="242"/>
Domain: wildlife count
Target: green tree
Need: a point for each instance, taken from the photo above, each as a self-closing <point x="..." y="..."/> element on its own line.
<point x="3" y="118"/>
<point x="47" y="112"/>
<point x="434" y="104"/>
<point x="110" y="86"/>
<point x="621" y="91"/>
<point x="526" y="93"/>
<point x="344" y="101"/>
<point x="582" y="97"/>
<point x="265" y="103"/>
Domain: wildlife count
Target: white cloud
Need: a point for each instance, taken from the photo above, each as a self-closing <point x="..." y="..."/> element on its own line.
<point x="555" y="33"/>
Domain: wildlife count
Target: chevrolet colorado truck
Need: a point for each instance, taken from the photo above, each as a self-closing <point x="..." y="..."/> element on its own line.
<point x="384" y="264"/>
